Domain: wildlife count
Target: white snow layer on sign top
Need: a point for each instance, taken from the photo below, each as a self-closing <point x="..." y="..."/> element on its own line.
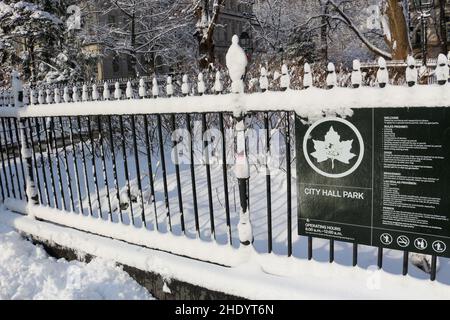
<point x="259" y="276"/>
<point x="27" y="272"/>
<point x="306" y="103"/>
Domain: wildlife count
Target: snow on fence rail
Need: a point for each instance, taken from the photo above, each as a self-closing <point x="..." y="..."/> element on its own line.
<point x="108" y="155"/>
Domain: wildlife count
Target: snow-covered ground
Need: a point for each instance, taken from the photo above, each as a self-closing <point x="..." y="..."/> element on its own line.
<point x="254" y="275"/>
<point x="27" y="272"/>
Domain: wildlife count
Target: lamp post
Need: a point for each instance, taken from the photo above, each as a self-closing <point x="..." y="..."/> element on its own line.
<point x="423" y="8"/>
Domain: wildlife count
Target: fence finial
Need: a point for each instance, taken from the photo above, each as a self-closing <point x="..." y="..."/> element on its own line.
<point x="85" y="93"/>
<point x="66" y="95"/>
<point x="382" y="73"/>
<point x="442" y="69"/>
<point x="411" y="71"/>
<point x="169" y="87"/>
<point x="142" y="89"/>
<point x="448" y="63"/>
<point x="106" y="92"/>
<point x="57" y="95"/>
<point x="307" y="76"/>
<point x="26" y="97"/>
<point x="185" y="86"/>
<point x="75" y="95"/>
<point x="95" y="94"/>
<point x="236" y="63"/>
<point x="117" y="91"/>
<point x="331" y="76"/>
<point x="218" y="85"/>
<point x="49" y="97"/>
<point x="155" y="88"/>
<point x="41" y="98"/>
<point x="17" y="88"/>
<point x="201" y="87"/>
<point x="129" y="90"/>
<point x="356" y="74"/>
<point x="263" y="81"/>
<point x="32" y="96"/>
<point x="285" y="80"/>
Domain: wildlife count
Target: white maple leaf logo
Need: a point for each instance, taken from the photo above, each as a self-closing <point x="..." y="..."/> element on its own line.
<point x="333" y="148"/>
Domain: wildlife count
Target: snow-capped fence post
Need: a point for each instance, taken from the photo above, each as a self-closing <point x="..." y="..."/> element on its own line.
<point x="236" y="61"/>
<point x="185" y="86"/>
<point x="382" y="73"/>
<point x="263" y="81"/>
<point x="442" y="70"/>
<point x="307" y="76"/>
<point x="201" y="87"/>
<point x="331" y="76"/>
<point x="30" y="187"/>
<point x="356" y="74"/>
<point x="411" y="71"/>
<point x="285" y="80"/>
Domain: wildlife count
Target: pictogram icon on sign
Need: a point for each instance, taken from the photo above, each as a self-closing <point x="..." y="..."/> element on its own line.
<point x="386" y="238"/>
<point x="439" y="246"/>
<point x="421" y="243"/>
<point x="403" y="241"/>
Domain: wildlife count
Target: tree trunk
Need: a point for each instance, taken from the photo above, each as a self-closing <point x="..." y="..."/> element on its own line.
<point x="324" y="33"/>
<point x="398" y="41"/>
<point x="443" y="26"/>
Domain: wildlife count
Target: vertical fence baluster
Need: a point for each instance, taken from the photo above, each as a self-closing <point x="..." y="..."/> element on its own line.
<point x="66" y="162"/>
<point x="138" y="169"/>
<point x="355" y="254"/>
<point x="194" y="188"/>
<point x="50" y="162"/>
<point x="163" y="168"/>
<point x="58" y="164"/>
<point x="380" y="258"/>
<point x="105" y="173"/>
<point x="405" y="262"/>
<point x="94" y="166"/>
<point x="11" y="138"/>
<point x="2" y="150"/>
<point x="208" y="178"/>
<point x="268" y="185"/>
<point x="433" y="267"/>
<point x="11" y="175"/>
<point x="36" y="169"/>
<point x="331" y="251"/>
<point x="289" y="187"/>
<point x="44" y="173"/>
<point x="114" y="164"/>
<point x="125" y="161"/>
<point x="177" y="173"/>
<point x="20" y="148"/>
<point x="30" y="192"/>
<point x="83" y="156"/>
<point x="225" y="177"/>
<point x="310" y="247"/>
<point x="75" y="160"/>
<point x="150" y="169"/>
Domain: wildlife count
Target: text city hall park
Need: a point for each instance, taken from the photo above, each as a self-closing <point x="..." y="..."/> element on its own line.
<point x="334" y="193"/>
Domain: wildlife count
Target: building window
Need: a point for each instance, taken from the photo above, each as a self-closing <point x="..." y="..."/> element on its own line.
<point x="112" y="20"/>
<point x="115" y="65"/>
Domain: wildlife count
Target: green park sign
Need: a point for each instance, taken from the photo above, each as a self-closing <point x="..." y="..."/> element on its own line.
<point x="380" y="177"/>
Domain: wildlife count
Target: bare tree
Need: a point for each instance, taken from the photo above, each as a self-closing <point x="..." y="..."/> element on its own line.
<point x="206" y="13"/>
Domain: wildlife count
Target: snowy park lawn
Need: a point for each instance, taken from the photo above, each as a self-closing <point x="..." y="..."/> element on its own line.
<point x="27" y="272"/>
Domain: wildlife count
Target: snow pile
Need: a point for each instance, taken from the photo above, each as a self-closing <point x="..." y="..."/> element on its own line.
<point x="26" y="272"/>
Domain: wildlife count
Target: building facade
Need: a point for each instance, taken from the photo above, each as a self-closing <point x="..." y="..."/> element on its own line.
<point x="437" y="29"/>
<point x="233" y="19"/>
